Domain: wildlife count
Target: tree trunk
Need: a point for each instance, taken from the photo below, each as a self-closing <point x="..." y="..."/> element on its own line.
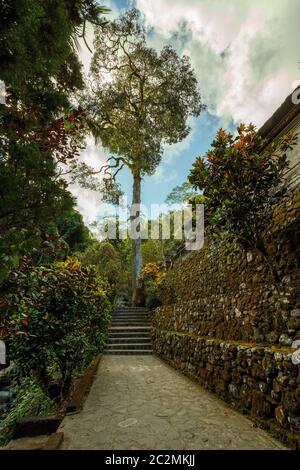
<point x="137" y="241"/>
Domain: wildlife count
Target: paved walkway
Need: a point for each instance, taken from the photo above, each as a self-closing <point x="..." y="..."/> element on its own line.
<point x="140" y="402"/>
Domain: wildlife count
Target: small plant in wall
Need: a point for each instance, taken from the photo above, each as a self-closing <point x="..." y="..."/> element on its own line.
<point x="242" y="179"/>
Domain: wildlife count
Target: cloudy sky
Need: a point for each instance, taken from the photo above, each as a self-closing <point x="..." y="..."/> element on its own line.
<point x="246" y="59"/>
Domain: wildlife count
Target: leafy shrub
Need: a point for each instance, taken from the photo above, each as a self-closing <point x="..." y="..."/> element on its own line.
<point x="152" y="279"/>
<point x="59" y="316"/>
<point x="152" y="251"/>
<point x="52" y="248"/>
<point x="29" y="400"/>
<point x="106" y="260"/>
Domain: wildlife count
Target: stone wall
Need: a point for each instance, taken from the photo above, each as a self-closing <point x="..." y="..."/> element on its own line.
<point x="226" y="323"/>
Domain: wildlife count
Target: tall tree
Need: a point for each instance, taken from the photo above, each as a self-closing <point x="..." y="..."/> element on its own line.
<point x="139" y="101"/>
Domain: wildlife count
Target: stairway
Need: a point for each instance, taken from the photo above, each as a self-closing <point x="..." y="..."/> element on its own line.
<point x="129" y="332"/>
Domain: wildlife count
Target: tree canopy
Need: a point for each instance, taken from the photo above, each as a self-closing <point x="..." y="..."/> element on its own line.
<point x="139" y="99"/>
<point x="40" y="127"/>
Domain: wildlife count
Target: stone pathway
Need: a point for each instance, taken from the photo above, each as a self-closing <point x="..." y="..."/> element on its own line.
<point x="139" y="402"/>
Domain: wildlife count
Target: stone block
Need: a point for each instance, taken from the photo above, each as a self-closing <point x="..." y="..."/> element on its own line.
<point x="290" y="403"/>
<point x="280" y="416"/>
<point x="260" y="406"/>
<point x="35" y="426"/>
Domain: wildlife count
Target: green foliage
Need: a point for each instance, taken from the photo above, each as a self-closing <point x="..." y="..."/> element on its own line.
<point x="242" y="179"/>
<point x="181" y="194"/>
<point x="29" y="399"/>
<point x="124" y="249"/>
<point x="152" y="251"/>
<point x="29" y="196"/>
<point x="152" y="280"/>
<point x="37" y="44"/>
<point x="57" y="316"/>
<point x="52" y="248"/>
<point x="160" y="251"/>
<point x="72" y="229"/>
<point x="38" y="127"/>
<point x="106" y="260"/>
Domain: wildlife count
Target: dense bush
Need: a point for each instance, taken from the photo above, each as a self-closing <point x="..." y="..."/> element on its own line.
<point x="58" y="318"/>
<point x="106" y="260"/>
<point x="152" y="280"/>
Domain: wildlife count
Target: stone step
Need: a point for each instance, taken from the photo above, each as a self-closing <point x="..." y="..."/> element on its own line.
<point x="133" y="352"/>
<point x="128" y="324"/>
<point x="131" y="312"/>
<point x="127" y="331"/>
<point x="130" y="319"/>
<point x="131" y="330"/>
<point x="125" y="328"/>
<point x="131" y="309"/>
<point x="128" y="328"/>
<point x="126" y="340"/>
<point x="130" y="315"/>
<point x="129" y="334"/>
<point x="144" y="346"/>
<point x="133" y="320"/>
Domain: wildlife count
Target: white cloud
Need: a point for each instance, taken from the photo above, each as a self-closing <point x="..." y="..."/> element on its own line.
<point x="89" y="202"/>
<point x="163" y="174"/>
<point x="244" y="53"/>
